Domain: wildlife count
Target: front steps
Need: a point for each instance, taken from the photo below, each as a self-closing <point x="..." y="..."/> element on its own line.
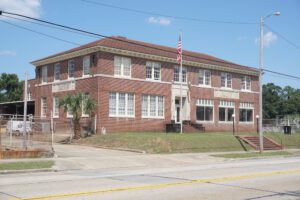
<point x="253" y="141"/>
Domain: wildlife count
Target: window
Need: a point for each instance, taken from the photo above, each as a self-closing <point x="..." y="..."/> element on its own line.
<point x="226" y="80"/>
<point x="177" y="72"/>
<point x="71" y="66"/>
<point x="84" y="101"/>
<point x="43" y="107"/>
<point x="204" y="110"/>
<point x="152" y="106"/>
<point x="246" y="112"/>
<point x="55" y="107"/>
<point x="44" y="74"/>
<point x="246" y="83"/>
<point x="153" y="71"/>
<point x="121" y="104"/>
<point x="57" y="72"/>
<point x="86" y="66"/>
<point x="122" y="66"/>
<point x="204" y="77"/>
<point x="69" y="113"/>
<point x="226" y="110"/>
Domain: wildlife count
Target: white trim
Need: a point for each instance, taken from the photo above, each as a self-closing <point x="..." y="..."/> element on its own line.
<point x="204" y="77"/>
<point x="151" y="64"/>
<point x="122" y="66"/>
<point x="156" y="107"/>
<point x="225" y="89"/>
<point x="43" y="114"/>
<point x="69" y="61"/>
<point x="53" y="113"/>
<point x="83" y="59"/>
<point x="226" y="80"/>
<point x="205" y="103"/>
<point x="244" y="76"/>
<point x="180" y="78"/>
<point x="126" y="105"/>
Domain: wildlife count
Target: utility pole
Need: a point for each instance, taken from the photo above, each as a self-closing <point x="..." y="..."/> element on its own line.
<point x="181" y="79"/>
<point x="25" y="113"/>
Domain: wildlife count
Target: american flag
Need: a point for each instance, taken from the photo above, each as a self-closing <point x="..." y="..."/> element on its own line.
<point x="179" y="51"/>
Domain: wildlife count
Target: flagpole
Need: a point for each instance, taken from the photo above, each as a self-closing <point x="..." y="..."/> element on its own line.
<point x="181" y="79"/>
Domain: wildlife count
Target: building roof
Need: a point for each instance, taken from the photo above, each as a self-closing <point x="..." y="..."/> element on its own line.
<point x="123" y="43"/>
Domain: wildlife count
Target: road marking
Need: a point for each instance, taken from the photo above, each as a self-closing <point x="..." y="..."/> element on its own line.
<point x="157" y="186"/>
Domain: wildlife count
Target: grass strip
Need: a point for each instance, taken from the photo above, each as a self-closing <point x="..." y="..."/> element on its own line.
<point x="26" y="165"/>
<point x="252" y="154"/>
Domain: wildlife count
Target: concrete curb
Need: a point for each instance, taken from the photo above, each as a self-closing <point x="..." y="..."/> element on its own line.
<point x="27" y="171"/>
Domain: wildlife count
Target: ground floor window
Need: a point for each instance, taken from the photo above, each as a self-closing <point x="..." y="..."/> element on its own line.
<point x="121" y="104"/>
<point x="204" y="110"/>
<point x="43" y="107"/>
<point x="226" y="110"/>
<point x="152" y="106"/>
<point x="246" y="112"/>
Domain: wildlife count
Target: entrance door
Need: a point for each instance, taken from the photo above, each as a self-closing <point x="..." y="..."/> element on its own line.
<point x="177" y="110"/>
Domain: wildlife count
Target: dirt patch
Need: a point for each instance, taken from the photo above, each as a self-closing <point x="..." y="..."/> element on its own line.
<point x="8" y="154"/>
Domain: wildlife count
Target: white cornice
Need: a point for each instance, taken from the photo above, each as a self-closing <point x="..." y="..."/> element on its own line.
<point x="97" y="48"/>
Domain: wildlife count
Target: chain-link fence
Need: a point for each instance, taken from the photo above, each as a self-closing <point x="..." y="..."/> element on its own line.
<point x="279" y="125"/>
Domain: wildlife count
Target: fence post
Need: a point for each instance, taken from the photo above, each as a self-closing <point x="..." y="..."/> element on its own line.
<point x="95" y="124"/>
<point x="10" y="132"/>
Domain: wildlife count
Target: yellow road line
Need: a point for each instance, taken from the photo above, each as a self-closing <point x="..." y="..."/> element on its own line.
<point x="156" y="186"/>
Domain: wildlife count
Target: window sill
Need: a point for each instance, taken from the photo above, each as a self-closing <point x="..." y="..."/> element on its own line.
<point x="55" y="117"/>
<point x="85" y="116"/>
<point x="226" y="88"/>
<point x="246" y="90"/>
<point x="205" y="122"/>
<point x="246" y="123"/>
<point x="121" y="116"/>
<point x="225" y="122"/>
<point x="205" y="86"/>
<point x="149" y="117"/>
<point x="122" y="76"/>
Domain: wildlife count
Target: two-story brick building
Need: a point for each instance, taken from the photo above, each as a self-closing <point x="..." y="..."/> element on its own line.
<point x="136" y="86"/>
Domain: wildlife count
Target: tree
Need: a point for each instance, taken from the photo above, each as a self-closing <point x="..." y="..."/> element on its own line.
<point x="271" y="100"/>
<point x="76" y="104"/>
<point x="10" y="88"/>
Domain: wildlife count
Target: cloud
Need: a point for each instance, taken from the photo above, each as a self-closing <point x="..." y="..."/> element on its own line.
<point x="31" y="8"/>
<point x="159" y="20"/>
<point x="7" y="53"/>
<point x="269" y="38"/>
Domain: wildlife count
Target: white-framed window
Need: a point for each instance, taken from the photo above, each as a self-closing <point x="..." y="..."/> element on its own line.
<point x="226" y="110"/>
<point x="71" y="68"/>
<point x="246" y="83"/>
<point x="205" y="110"/>
<point x="177" y="72"/>
<point x="121" y="104"/>
<point x="57" y="72"/>
<point x="44" y="74"/>
<point x="69" y="113"/>
<point x="226" y="80"/>
<point x="152" y="106"/>
<point x="204" y="77"/>
<point x="86" y="66"/>
<point x="122" y="66"/>
<point x="84" y="113"/>
<point x="55" y="107"/>
<point x="153" y="71"/>
<point x="43" y="106"/>
<point x="246" y="112"/>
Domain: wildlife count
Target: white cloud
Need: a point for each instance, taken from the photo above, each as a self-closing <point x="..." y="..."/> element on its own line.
<point x="159" y="20"/>
<point x="269" y="38"/>
<point x="31" y="8"/>
<point x="7" y="53"/>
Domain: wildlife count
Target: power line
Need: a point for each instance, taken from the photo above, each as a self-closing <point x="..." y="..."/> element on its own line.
<point x="282" y="37"/>
<point x="114" y="38"/>
<point x="169" y="16"/>
<point x="46" y="25"/>
<point x="40" y="33"/>
<point x="282" y="74"/>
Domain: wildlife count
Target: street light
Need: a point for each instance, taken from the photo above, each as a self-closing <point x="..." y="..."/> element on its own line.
<point x="277" y="13"/>
<point x="233" y="116"/>
<point x="257" y="129"/>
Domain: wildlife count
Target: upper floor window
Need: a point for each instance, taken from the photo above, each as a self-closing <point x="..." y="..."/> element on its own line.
<point x="226" y="80"/>
<point x="153" y="71"/>
<point x="44" y="74"/>
<point x="86" y="66"/>
<point x="204" y="77"/>
<point x="57" y="72"/>
<point x="177" y="72"/>
<point x="71" y="67"/>
<point x="122" y="66"/>
<point x="246" y="83"/>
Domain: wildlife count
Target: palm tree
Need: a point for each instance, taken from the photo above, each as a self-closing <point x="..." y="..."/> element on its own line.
<point x="76" y="104"/>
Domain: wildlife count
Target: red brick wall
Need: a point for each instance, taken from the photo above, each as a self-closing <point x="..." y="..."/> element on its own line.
<point x="100" y="86"/>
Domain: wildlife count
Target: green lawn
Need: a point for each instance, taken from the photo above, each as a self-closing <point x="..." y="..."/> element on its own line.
<point x="252" y="154"/>
<point x="288" y="141"/>
<point x="26" y="165"/>
<point x="167" y="143"/>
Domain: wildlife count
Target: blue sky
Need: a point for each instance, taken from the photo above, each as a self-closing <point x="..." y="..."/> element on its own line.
<point x="236" y="43"/>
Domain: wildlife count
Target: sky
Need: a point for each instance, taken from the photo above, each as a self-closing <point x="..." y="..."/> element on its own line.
<point x="238" y="43"/>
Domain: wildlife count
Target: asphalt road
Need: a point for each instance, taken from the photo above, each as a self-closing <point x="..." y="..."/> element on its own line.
<point x="183" y="176"/>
